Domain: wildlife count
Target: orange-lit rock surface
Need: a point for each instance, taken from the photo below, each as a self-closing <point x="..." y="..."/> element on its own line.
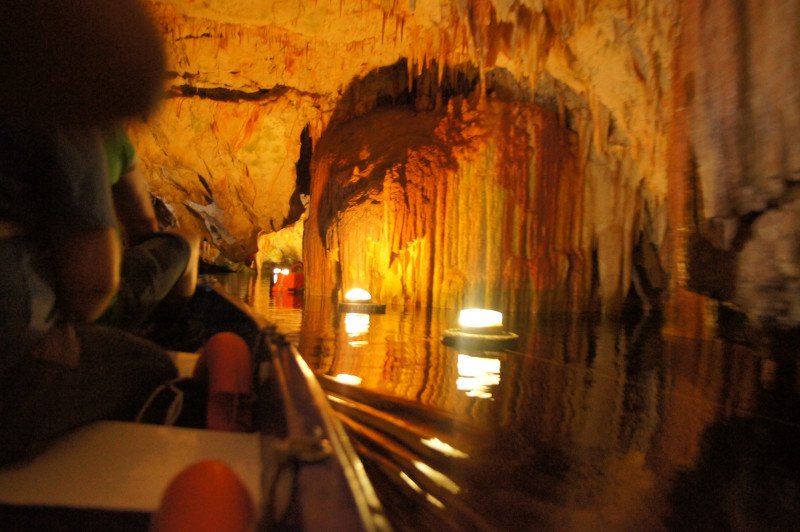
<point x="456" y="207"/>
<point x="249" y="76"/>
<point x="519" y="154"/>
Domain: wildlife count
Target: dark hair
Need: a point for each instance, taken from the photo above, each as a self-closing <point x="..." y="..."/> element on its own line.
<point x="78" y="62"/>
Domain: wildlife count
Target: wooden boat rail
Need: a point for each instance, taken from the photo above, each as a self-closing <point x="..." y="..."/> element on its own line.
<point x="311" y="479"/>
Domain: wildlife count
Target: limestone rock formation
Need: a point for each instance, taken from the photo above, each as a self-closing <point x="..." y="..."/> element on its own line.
<point x="559" y="156"/>
<point x="738" y="83"/>
<point x="250" y="76"/>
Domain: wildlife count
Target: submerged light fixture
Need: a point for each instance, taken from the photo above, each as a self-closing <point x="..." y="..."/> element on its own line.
<point x="359" y="300"/>
<point x="477" y="328"/>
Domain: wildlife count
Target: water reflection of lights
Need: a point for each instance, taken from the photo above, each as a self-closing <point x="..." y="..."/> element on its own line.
<point x="434" y="501"/>
<point x="359" y="300"/>
<point x="356" y="324"/>
<point x="414" y="486"/>
<point x="438" y="477"/>
<point x="357" y="343"/>
<point x="410" y="481"/>
<point x="444" y="448"/>
<point x="478" y="327"/>
<point x="350" y="380"/>
<point x="476" y="375"/>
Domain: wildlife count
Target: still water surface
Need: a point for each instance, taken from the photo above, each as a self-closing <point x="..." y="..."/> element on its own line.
<point x="579" y="426"/>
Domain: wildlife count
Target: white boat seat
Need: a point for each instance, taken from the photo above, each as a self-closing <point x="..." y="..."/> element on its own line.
<point x="124" y="466"/>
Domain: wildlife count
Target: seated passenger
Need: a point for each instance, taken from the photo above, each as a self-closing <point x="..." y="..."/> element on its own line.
<point x="70" y="68"/>
<point x="59" y="268"/>
<point x="157" y="266"/>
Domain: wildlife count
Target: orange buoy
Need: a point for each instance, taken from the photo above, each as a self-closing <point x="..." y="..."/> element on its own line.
<point x="226" y="362"/>
<point x="206" y="496"/>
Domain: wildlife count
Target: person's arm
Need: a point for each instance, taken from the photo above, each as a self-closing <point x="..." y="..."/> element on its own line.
<point x="88" y="264"/>
<point x="133" y="206"/>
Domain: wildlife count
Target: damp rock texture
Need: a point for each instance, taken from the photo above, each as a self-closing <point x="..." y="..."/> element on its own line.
<point x="560" y="156"/>
<point x="738" y="77"/>
<point x="514" y="151"/>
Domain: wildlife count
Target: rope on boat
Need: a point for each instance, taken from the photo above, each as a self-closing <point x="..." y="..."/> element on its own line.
<point x="175" y="408"/>
<point x="282" y="458"/>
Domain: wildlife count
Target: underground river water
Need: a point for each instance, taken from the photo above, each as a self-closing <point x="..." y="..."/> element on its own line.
<point x="580" y="425"/>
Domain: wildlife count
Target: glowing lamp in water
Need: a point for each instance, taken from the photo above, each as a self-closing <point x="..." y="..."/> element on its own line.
<point x="478" y="327"/>
<point x="358" y="295"/>
<point x="359" y="300"/>
<point x="480" y="320"/>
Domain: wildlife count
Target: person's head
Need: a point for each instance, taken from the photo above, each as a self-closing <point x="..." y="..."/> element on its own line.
<point x="78" y="62"/>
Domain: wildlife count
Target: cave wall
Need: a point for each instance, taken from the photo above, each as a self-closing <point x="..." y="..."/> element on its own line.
<point x="464" y="216"/>
<point x="465" y="205"/>
<point x="739" y="98"/>
<point x="558" y="156"/>
<point x="225" y="168"/>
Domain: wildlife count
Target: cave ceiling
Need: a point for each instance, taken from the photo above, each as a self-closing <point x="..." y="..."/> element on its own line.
<point x="248" y="76"/>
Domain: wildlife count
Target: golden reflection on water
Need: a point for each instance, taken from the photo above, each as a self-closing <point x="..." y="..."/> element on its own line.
<point x="580" y="425"/>
<point x="477" y="375"/>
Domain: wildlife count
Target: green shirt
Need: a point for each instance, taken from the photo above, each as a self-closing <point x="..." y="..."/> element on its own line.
<point x="120" y="154"/>
<point x="120" y="157"/>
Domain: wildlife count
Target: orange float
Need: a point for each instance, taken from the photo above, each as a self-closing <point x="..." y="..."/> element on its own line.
<point x="206" y="496"/>
<point x="226" y="363"/>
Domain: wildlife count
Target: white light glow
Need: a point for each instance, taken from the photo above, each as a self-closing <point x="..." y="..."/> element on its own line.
<point x="445" y="448"/>
<point x="438" y="477"/>
<point x="285" y="271"/>
<point x="357" y="294"/>
<point x="356" y="324"/>
<point x="276" y="270"/>
<point x="476" y="375"/>
<point x="430" y="498"/>
<point x="350" y="380"/>
<point x="410" y="482"/>
<point x="434" y="501"/>
<point x="478" y="318"/>
<point x="357" y="343"/>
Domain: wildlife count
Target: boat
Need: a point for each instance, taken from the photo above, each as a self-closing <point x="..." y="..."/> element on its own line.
<point x="298" y="466"/>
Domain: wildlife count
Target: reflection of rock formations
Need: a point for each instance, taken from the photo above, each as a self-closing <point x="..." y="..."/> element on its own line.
<point x="746" y="473"/>
<point x="588" y="423"/>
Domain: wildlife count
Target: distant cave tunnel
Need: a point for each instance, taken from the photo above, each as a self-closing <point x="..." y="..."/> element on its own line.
<point x="451" y="191"/>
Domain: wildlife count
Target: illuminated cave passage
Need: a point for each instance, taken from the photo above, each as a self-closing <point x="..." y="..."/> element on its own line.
<point x="450" y="204"/>
<point x="571" y="157"/>
<point x="616" y="182"/>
